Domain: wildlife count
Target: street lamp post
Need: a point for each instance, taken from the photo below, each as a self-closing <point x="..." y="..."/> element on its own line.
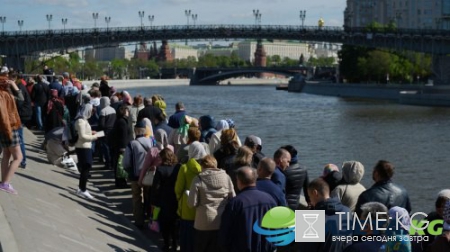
<point x="3" y="20"/>
<point x="151" y="18"/>
<point x="95" y="17"/>
<point x="64" y="22"/>
<point x="20" y="23"/>
<point x="194" y="18"/>
<point x="303" y="16"/>
<point x="257" y="16"/>
<point x="107" y="20"/>
<point x="188" y="15"/>
<point x="49" y="19"/>
<point x="141" y="15"/>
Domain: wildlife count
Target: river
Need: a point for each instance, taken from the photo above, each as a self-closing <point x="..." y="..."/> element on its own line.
<point x="332" y="130"/>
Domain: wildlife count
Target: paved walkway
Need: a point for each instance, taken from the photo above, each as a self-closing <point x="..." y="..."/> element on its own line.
<point x="47" y="216"/>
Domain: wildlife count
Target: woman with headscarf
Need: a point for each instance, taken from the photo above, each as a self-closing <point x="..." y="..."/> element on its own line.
<point x="228" y="149"/>
<point x="83" y="147"/>
<point x="207" y="127"/>
<point x="185" y="176"/>
<point x="149" y="130"/>
<point x="138" y="105"/>
<point x="214" y="141"/>
<point x="9" y="131"/>
<point x="106" y="123"/>
<point x="55" y="111"/>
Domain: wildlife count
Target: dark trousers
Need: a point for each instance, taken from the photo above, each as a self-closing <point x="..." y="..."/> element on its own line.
<point x="84" y="166"/>
<point x="206" y="241"/>
<point x="187" y="236"/>
<point x="105" y="151"/>
<point x="169" y="232"/>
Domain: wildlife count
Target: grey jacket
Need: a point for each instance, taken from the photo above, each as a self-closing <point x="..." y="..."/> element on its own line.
<point x="209" y="194"/>
<point x="135" y="155"/>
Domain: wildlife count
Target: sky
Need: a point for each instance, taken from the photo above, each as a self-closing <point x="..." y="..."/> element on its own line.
<point x="124" y="13"/>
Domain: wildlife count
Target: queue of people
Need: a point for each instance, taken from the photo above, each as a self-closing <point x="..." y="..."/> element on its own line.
<point x="194" y="177"/>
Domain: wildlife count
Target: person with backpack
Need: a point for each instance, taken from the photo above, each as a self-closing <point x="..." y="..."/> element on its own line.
<point x="83" y="148"/>
<point x="133" y="159"/>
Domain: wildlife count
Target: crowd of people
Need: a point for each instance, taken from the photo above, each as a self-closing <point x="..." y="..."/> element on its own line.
<point x="193" y="176"/>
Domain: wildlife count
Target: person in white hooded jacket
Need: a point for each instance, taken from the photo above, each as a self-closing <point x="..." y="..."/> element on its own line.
<point x="83" y="147"/>
<point x="350" y="188"/>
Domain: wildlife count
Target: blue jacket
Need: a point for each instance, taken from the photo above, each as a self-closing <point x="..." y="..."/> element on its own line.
<point x="266" y="185"/>
<point x="279" y="179"/>
<point x="175" y="119"/>
<point x="236" y="229"/>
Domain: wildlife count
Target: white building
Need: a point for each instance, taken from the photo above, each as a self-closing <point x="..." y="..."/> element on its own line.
<point x="292" y="50"/>
<point x="183" y="52"/>
<point x="217" y="50"/>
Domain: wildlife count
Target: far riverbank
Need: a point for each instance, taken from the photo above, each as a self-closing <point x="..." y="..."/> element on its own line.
<point x="120" y="84"/>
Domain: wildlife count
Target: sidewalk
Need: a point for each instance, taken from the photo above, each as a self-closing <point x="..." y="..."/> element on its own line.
<point x="48" y="216"/>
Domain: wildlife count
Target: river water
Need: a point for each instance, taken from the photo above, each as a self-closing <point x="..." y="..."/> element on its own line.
<point x="332" y="130"/>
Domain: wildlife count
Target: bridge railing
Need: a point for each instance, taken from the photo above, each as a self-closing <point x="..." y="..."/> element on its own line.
<point x="166" y="27"/>
<point x="231" y="27"/>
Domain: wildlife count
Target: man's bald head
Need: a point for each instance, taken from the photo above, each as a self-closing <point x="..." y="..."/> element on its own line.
<point x="246" y="176"/>
<point x="266" y="167"/>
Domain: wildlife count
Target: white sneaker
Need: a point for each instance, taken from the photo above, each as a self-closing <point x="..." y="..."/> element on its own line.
<point x="84" y="194"/>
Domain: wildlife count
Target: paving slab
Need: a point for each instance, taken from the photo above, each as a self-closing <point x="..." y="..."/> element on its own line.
<point x="46" y="215"/>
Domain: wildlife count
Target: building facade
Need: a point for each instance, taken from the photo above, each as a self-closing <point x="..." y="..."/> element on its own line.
<point x="409" y="14"/>
<point x="292" y="50"/>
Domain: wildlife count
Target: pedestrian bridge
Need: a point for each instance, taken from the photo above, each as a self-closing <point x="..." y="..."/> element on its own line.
<point x="20" y="43"/>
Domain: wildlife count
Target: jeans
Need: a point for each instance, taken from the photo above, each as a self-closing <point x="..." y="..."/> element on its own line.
<point x="22" y="146"/>
<point x="38" y="111"/>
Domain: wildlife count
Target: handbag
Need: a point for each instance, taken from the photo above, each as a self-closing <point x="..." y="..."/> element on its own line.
<point x="148" y="178"/>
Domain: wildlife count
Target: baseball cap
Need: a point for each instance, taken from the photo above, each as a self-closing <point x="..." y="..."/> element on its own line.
<point x="252" y="140"/>
<point x="4" y="70"/>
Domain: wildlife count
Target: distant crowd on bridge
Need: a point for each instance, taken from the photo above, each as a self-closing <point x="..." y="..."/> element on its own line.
<point x="192" y="179"/>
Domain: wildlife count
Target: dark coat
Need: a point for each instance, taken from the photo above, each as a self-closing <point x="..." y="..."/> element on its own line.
<point x="39" y="95"/>
<point x="331" y="206"/>
<point x="121" y="134"/>
<point x="24" y="107"/>
<point x="266" y="185"/>
<point x="387" y="193"/>
<point x="296" y="180"/>
<point x="163" y="193"/>
<point x="151" y="112"/>
<point x="236" y="229"/>
<point x="104" y="88"/>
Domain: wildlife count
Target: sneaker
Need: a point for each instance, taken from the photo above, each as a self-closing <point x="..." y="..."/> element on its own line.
<point x="84" y="194"/>
<point x="23" y="166"/>
<point x="7" y="188"/>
